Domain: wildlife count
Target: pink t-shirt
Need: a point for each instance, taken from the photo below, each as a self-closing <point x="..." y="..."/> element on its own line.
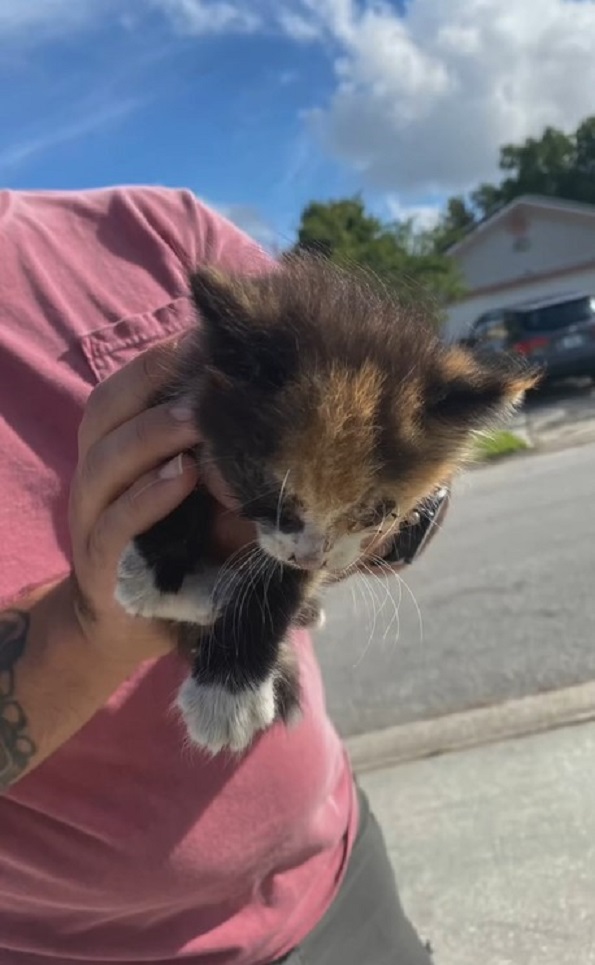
<point x="123" y="846"/>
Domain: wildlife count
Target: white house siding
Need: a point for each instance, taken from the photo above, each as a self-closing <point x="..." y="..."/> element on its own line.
<point x="462" y="315"/>
<point x="550" y="241"/>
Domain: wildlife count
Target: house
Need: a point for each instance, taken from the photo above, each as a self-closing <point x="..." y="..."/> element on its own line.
<point x="532" y="248"/>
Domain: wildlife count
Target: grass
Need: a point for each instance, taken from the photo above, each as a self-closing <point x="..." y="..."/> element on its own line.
<point x="497" y="445"/>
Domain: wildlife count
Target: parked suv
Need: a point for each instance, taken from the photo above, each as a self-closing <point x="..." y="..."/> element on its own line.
<point x="557" y="332"/>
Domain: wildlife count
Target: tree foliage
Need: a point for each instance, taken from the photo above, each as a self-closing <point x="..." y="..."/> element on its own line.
<point x="456" y="221"/>
<point x="395" y="251"/>
<point x="556" y="165"/>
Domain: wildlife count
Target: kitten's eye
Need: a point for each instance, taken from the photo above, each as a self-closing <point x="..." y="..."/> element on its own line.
<point x="290" y="523"/>
<point x="378" y="514"/>
<point x="286" y="521"/>
<point x="265" y="509"/>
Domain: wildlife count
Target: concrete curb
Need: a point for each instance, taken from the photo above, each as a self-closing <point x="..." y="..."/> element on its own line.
<point x="486" y="725"/>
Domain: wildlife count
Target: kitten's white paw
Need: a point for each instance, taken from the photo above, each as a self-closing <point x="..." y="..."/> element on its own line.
<point x="321" y="620"/>
<point x="137" y="593"/>
<point x="218" y="720"/>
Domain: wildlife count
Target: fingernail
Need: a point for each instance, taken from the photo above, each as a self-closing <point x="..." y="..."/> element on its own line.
<point x="173" y="468"/>
<point x="182" y="412"/>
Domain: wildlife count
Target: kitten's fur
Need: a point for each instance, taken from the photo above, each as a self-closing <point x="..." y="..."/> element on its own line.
<point x="330" y="411"/>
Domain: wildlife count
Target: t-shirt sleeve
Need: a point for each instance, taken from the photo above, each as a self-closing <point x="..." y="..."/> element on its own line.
<point x="195" y="232"/>
<point x="219" y="242"/>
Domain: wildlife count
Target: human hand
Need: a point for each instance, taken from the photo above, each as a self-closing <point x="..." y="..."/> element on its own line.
<point x="132" y="471"/>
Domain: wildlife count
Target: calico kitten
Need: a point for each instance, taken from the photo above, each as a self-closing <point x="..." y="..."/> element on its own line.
<point x="330" y="411"/>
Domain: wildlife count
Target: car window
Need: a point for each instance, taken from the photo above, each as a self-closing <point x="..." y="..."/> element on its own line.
<point x="492" y="329"/>
<point x="485" y="321"/>
<point x="562" y="315"/>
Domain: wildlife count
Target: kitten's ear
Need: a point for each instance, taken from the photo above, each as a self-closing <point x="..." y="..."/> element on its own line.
<point x="224" y="304"/>
<point x="467" y="393"/>
<point x="240" y="340"/>
<point x="220" y="297"/>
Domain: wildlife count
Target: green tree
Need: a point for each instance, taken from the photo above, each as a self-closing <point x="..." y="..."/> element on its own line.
<point x="486" y="199"/>
<point x="396" y="252"/>
<point x="556" y="165"/>
<point x="582" y="179"/>
<point x="458" y="218"/>
<point x="539" y="166"/>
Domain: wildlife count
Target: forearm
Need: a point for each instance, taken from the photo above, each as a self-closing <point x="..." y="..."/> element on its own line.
<point x="51" y="680"/>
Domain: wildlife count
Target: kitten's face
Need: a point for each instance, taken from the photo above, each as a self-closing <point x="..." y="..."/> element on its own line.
<point x="329" y="410"/>
<point x="331" y="541"/>
<point x="332" y="491"/>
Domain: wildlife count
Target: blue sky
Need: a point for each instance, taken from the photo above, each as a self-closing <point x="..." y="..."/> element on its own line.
<point x="264" y="105"/>
<point x="122" y="102"/>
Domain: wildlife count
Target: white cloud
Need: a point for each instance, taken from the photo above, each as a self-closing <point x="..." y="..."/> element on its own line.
<point x="204" y="16"/>
<point x="18" y="17"/>
<point x="424" y="102"/>
<point x="36" y="20"/>
<point x="297" y="26"/>
<point x="300" y="20"/>
<point x="249" y="219"/>
<point x="423" y="216"/>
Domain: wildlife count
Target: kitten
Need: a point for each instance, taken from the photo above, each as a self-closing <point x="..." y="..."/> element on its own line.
<point x="330" y="411"/>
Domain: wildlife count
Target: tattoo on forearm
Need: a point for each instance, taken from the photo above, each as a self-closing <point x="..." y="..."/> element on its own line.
<point x="16" y="747"/>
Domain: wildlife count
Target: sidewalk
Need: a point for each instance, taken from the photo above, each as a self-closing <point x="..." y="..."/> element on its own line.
<point x="494" y="848"/>
<point x="560" y="421"/>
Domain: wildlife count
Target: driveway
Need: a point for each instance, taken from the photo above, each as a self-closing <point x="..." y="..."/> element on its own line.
<point x="559" y="416"/>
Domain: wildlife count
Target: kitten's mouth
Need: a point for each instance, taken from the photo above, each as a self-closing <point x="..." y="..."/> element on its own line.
<point x="306" y="551"/>
<point x="307" y="565"/>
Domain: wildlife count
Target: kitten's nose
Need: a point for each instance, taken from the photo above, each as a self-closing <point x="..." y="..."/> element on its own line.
<point x="308" y="561"/>
<point x="310" y="553"/>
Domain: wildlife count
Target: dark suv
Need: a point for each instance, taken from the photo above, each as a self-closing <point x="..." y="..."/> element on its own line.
<point x="557" y="332"/>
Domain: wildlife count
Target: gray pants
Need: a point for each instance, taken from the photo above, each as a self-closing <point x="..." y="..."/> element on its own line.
<point x="366" y="924"/>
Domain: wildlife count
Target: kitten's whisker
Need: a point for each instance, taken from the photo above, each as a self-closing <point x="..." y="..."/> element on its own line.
<point x="251" y="566"/>
<point x="370" y="588"/>
<point x="271" y="564"/>
<point x="238" y="607"/>
<point x="229" y="569"/>
<point x="365" y="583"/>
<point x="257" y="578"/>
<point x="352" y="586"/>
<point x="415" y="604"/>
<point x="384" y="567"/>
<point x="396" y="617"/>
<point x="360" y="595"/>
<point x="235" y="578"/>
<point x="279" y="501"/>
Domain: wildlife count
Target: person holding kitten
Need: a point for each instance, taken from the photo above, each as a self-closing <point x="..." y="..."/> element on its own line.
<point x="119" y="843"/>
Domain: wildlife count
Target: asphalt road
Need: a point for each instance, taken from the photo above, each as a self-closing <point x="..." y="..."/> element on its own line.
<point x="506" y="595"/>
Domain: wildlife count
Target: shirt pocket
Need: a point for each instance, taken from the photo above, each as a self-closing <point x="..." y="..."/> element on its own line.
<point x="108" y="348"/>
